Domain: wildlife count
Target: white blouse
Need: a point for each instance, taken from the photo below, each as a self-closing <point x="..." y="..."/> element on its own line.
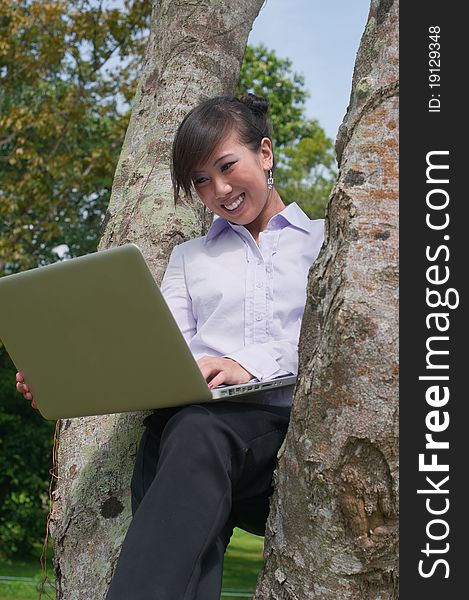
<point x="233" y="298"/>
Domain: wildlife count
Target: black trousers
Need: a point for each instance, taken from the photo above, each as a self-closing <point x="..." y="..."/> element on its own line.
<point x="200" y="471"/>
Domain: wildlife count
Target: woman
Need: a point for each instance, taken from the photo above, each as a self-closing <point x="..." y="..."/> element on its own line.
<point x="238" y="296"/>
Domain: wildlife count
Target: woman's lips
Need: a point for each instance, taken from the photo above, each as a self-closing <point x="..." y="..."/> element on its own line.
<point x="235" y="204"/>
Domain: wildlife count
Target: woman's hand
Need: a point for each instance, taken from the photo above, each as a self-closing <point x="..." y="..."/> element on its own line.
<point x="217" y="371"/>
<point x="24" y="389"/>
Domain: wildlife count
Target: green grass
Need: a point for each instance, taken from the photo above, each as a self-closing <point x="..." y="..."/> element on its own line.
<point x="30" y="569"/>
<point x="243" y="560"/>
<point x="29" y="588"/>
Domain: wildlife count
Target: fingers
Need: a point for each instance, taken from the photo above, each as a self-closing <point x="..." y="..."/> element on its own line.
<point x="23" y="388"/>
<point x="208" y="366"/>
<point x="217" y="380"/>
<point x="217" y="370"/>
<point x="214" y="370"/>
<point x="20" y="384"/>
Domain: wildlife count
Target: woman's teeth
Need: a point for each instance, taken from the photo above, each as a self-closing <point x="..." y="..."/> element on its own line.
<point x="236" y="203"/>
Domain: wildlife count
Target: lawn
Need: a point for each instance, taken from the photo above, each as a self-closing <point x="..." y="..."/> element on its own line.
<point x="243" y="560"/>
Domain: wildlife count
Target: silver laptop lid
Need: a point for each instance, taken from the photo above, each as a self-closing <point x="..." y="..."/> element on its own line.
<point x="93" y="335"/>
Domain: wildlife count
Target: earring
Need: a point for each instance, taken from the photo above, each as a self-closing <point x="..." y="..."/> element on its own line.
<point x="270" y="180"/>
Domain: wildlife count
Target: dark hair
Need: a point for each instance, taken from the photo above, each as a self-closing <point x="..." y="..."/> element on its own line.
<point x="205" y="126"/>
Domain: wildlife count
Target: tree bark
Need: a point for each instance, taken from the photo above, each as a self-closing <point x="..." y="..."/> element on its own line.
<point x="332" y="532"/>
<point x="195" y="48"/>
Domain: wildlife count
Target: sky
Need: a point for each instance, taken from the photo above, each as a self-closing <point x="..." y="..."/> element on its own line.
<point x="321" y="38"/>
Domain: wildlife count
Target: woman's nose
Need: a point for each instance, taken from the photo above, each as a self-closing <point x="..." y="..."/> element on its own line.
<point x="222" y="188"/>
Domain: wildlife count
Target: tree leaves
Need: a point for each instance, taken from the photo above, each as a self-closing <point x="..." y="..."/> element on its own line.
<point x="305" y="155"/>
<point x="25" y="444"/>
<point x="62" y="121"/>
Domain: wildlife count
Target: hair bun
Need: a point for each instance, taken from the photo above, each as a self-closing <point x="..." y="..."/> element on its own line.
<point x="257" y="104"/>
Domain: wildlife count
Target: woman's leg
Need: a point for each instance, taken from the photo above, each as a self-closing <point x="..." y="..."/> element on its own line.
<point x="147" y="456"/>
<point x="143" y="475"/>
<point x="211" y="572"/>
<point x="175" y="542"/>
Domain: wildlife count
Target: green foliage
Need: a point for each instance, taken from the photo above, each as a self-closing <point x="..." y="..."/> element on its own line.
<point x="61" y="120"/>
<point x="25" y="459"/>
<point x="264" y="74"/>
<point x="305" y="155"/>
<point x="308" y="172"/>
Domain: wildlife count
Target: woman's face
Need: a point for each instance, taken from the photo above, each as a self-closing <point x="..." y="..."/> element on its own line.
<point x="232" y="183"/>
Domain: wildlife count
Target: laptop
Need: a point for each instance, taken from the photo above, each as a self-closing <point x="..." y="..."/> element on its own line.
<point x="93" y="335"/>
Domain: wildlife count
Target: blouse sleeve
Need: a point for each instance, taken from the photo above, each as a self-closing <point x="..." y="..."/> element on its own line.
<point x="174" y="290"/>
<point x="269" y="359"/>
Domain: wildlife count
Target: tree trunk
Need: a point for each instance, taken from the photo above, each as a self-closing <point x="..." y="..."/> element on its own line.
<point x="195" y="48"/>
<point x="332" y="531"/>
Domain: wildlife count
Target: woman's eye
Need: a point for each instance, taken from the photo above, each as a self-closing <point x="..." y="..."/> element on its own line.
<point x="202" y="180"/>
<point x="226" y="166"/>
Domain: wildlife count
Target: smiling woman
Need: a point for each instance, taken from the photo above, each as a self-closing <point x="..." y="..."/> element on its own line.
<point x="223" y="150"/>
<point x="238" y="296"/>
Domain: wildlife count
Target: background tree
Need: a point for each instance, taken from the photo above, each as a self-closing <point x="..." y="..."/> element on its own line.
<point x="333" y="528"/>
<point x="305" y="155"/>
<point x="307" y="171"/>
<point x="25" y="451"/>
<point x="66" y="69"/>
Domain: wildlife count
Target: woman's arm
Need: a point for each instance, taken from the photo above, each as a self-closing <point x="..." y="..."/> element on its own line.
<point x="174" y="290"/>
